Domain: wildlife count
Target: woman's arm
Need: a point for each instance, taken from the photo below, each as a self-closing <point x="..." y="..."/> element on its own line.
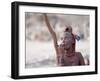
<point x="53" y="34"/>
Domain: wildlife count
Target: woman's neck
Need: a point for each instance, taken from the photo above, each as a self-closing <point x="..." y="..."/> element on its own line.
<point x="70" y="51"/>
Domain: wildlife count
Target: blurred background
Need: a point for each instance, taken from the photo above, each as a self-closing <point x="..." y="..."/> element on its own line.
<point x="40" y="51"/>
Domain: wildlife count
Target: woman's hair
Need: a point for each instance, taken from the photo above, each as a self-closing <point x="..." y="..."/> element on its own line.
<point x="68" y="29"/>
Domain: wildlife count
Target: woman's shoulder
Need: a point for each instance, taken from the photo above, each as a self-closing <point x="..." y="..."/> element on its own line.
<point x="79" y="54"/>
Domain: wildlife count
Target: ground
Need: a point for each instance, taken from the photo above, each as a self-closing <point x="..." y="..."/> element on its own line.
<point x="42" y="54"/>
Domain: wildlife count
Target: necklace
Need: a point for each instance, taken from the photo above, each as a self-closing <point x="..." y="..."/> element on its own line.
<point x="69" y="54"/>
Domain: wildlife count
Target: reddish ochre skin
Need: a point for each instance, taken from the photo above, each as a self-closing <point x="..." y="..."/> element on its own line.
<point x="65" y="59"/>
<point x="69" y="57"/>
<point x="66" y="54"/>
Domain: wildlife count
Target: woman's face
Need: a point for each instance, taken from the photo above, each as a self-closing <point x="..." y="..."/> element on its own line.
<point x="68" y="40"/>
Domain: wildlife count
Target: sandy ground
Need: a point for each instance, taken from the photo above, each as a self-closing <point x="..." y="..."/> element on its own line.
<point x="42" y="54"/>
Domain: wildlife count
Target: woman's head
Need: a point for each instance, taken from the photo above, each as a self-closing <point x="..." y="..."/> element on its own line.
<point x="68" y="39"/>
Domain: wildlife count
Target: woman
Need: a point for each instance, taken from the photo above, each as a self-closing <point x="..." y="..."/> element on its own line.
<point x="66" y="55"/>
